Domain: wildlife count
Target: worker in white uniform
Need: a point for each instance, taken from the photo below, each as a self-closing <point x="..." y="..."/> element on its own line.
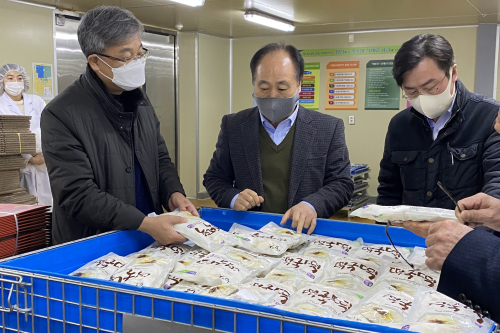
<point x="14" y="82"/>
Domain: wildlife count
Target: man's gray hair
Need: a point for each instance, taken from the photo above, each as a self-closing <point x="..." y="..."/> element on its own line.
<point x="106" y="26"/>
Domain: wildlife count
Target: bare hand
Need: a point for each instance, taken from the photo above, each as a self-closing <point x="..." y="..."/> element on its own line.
<point x="480" y="209"/>
<point x="37" y="159"/>
<point x="418" y="228"/>
<point x="303" y="216"/>
<point x="442" y="238"/>
<point x="161" y="228"/>
<point x="246" y="200"/>
<point x="178" y="200"/>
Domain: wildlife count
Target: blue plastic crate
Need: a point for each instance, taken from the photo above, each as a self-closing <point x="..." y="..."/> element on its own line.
<point x="56" y="302"/>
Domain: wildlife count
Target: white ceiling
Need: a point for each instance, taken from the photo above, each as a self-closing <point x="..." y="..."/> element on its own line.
<point x="225" y="17"/>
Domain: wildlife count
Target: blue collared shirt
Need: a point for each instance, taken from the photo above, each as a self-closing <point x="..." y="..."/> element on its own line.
<point x="277" y="134"/>
<point x="439" y="125"/>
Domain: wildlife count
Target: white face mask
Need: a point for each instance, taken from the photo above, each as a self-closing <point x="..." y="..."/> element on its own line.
<point x="434" y="106"/>
<point x="129" y="76"/>
<point x="14" y="88"/>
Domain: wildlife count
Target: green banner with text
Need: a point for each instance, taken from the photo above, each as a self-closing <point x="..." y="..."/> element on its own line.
<point x="350" y="51"/>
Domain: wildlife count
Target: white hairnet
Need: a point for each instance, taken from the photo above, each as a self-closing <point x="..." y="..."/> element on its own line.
<point x="13" y="67"/>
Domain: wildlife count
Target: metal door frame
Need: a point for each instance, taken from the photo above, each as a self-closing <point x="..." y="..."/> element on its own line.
<point x="58" y="13"/>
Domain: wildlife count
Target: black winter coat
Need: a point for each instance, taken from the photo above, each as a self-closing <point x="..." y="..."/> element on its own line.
<point x="465" y="156"/>
<point x="88" y="141"/>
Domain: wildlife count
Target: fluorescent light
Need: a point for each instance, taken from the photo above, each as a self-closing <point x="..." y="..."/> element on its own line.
<point x="192" y="3"/>
<point x="269" y="21"/>
<point x="33" y="4"/>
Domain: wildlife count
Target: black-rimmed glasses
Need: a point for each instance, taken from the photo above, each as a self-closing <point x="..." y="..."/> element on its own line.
<point x="429" y="91"/>
<point x="143" y="56"/>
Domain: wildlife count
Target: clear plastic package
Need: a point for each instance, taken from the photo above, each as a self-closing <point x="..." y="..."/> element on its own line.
<point x="294" y="239"/>
<point x="103" y="267"/>
<point x="189" y="287"/>
<point x="226" y="266"/>
<point x="293" y="266"/>
<point x="376" y="252"/>
<point x="171" y="281"/>
<point x="220" y="291"/>
<point x="148" y="270"/>
<point x="156" y="258"/>
<point x="406" y="279"/>
<point x="282" y="292"/>
<point x="168" y="250"/>
<point x="257" y="241"/>
<point x="202" y="233"/>
<point x="322" y="246"/>
<point x="431" y="306"/>
<point x="318" y="300"/>
<point x="350" y="273"/>
<point x="418" y="257"/>
<point x="142" y="275"/>
<point x="192" y="256"/>
<point x="399" y="214"/>
<point x="385" y="305"/>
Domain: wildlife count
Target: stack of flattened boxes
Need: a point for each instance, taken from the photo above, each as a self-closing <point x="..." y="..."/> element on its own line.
<point x="15" y="140"/>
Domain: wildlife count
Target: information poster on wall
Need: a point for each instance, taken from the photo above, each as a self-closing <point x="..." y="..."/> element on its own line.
<point x="382" y="91"/>
<point x="342" y="79"/>
<point x="43" y="83"/>
<point x="309" y="94"/>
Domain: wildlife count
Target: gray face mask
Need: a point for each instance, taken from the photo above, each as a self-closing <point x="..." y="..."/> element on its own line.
<point x="275" y="108"/>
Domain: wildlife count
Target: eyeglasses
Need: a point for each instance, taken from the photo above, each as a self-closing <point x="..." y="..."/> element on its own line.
<point x="143" y="56"/>
<point x="429" y="91"/>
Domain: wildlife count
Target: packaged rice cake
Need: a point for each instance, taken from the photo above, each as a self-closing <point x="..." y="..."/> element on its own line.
<point x="144" y="275"/>
<point x="350" y="273"/>
<point x="433" y="307"/>
<point x="257" y="241"/>
<point x="295" y="266"/>
<point x="399" y="214"/>
<point x="282" y="292"/>
<point x="384" y="305"/>
<point x="318" y="300"/>
<point x="202" y="233"/>
<point x="195" y="254"/>
<point x="168" y="250"/>
<point x="322" y="246"/>
<point x="376" y="252"/>
<point x="226" y="266"/>
<point x="189" y="287"/>
<point x="148" y="270"/>
<point x="103" y="267"/>
<point x="294" y="239"/>
<point x="407" y="279"/>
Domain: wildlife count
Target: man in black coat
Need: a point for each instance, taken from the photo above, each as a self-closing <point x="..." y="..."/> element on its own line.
<point x="447" y="135"/>
<point x="469" y="259"/>
<point x="279" y="157"/>
<point x="108" y="163"/>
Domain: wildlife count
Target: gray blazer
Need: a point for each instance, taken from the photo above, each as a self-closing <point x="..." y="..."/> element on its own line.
<point x="320" y="171"/>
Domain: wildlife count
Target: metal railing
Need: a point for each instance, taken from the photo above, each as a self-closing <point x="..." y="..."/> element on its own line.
<point x="11" y="281"/>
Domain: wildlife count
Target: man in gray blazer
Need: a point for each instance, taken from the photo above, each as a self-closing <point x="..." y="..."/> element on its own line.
<point x="279" y="157"/>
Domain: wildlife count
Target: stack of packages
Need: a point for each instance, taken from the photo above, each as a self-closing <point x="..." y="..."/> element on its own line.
<point x="360" y="174"/>
<point x="313" y="275"/>
<point x="23" y="228"/>
<point x="15" y="139"/>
